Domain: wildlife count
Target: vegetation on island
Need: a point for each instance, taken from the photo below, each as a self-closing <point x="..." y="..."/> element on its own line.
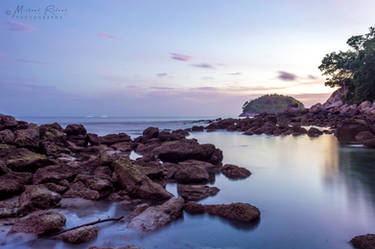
<point x="353" y="69"/>
<point x="272" y="103"/>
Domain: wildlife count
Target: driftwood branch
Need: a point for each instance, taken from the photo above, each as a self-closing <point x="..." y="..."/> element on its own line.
<point x="88" y="224"/>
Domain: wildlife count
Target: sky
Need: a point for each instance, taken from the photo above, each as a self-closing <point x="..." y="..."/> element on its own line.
<point x="167" y="57"/>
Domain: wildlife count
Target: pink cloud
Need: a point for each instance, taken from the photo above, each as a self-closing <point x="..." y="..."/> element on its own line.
<point x="20" y="27"/>
<point x="108" y="36"/>
<point x="181" y="57"/>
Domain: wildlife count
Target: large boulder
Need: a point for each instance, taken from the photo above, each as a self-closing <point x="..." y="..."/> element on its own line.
<point x="37" y="197"/>
<point x="54" y="173"/>
<point x="22" y="159"/>
<point x="347" y="130"/>
<point x="7" y="122"/>
<point x="192" y="174"/>
<point x="156" y="217"/>
<point x="235" y="172"/>
<point x="336" y="98"/>
<point x="185" y="149"/>
<point x="29" y="137"/>
<point x="242" y="212"/>
<point x="196" y="192"/>
<point x="151" y="132"/>
<point x="136" y="183"/>
<point x="211" y="168"/>
<point x="10" y="186"/>
<point x="75" y="130"/>
<point x="314" y="132"/>
<point x="364" y="241"/>
<point x="79" y="235"/>
<point x="114" y="138"/>
<point x="39" y="223"/>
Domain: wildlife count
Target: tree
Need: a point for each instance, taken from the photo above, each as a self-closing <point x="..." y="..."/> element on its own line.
<point x="353" y="69"/>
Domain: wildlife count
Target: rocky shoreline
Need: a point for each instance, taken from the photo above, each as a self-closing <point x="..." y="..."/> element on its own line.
<point x="42" y="165"/>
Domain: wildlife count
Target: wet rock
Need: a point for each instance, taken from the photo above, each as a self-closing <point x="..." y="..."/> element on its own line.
<point x="242" y="212"/>
<point x="347" y="131"/>
<point x="364" y="135"/>
<point x="137" y="211"/>
<point x="56" y="187"/>
<point x="185" y="149"/>
<point x="136" y="183"/>
<point x="29" y="137"/>
<point x="37" y="197"/>
<point x="7" y="136"/>
<point x="364" y="241"/>
<point x="196" y="192"/>
<point x="75" y="130"/>
<point x="8" y="207"/>
<point x="79" y="235"/>
<point x="209" y="167"/>
<point x="235" y="172"/>
<point x="40" y="222"/>
<point x="79" y="189"/>
<point x="197" y="128"/>
<point x="314" y="132"/>
<point x="3" y="168"/>
<point x="22" y="159"/>
<point x="114" y="138"/>
<point x="192" y="174"/>
<point x="154" y="218"/>
<point x="370" y="143"/>
<point x="192" y="207"/>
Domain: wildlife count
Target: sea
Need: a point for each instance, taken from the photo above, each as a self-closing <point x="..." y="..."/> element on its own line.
<point x="313" y="193"/>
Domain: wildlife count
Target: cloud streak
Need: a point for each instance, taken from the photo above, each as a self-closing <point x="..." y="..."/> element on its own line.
<point x="108" y="36"/>
<point x="161" y="75"/>
<point x="181" y="57"/>
<point x="20" y="27"/>
<point x="203" y="65"/>
<point x="285" y="76"/>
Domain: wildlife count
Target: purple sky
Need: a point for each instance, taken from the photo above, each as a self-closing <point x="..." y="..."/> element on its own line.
<point x="167" y="57"/>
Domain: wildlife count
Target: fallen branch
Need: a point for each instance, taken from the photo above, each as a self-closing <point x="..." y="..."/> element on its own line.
<point x="88" y="224"/>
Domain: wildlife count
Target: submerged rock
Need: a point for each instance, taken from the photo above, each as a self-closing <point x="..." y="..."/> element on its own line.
<point x="196" y="192"/>
<point x="156" y="217"/>
<point x="242" y="212"/>
<point x="192" y="174"/>
<point x="235" y="172"/>
<point x="79" y="235"/>
<point x="364" y="241"/>
<point x="40" y="222"/>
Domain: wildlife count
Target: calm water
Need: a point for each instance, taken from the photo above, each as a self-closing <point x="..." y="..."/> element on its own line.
<point x="312" y="194"/>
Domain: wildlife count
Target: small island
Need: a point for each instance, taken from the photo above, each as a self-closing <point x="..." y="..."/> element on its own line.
<point x="270" y="103"/>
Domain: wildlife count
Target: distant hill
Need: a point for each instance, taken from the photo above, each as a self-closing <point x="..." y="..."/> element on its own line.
<point x="272" y="103"/>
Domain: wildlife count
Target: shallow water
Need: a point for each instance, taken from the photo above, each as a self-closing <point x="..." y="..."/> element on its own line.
<point x="312" y="193"/>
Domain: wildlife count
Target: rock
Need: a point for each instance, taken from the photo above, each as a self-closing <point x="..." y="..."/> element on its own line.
<point x="197" y="128"/>
<point x="114" y="138"/>
<point x="6" y="136"/>
<point x="209" y="167"/>
<point x="75" y="130"/>
<point x="79" y="235"/>
<point x="3" y="168"/>
<point x="364" y="105"/>
<point x="185" y="149"/>
<point x="364" y="241"/>
<point x="10" y="186"/>
<point x="79" y="189"/>
<point x="156" y="217"/>
<point x="22" y="159"/>
<point x="39" y="223"/>
<point x="151" y="132"/>
<point x="122" y="146"/>
<point x="54" y="173"/>
<point x="316" y="108"/>
<point x="364" y="135"/>
<point x="348" y="129"/>
<point x="117" y="247"/>
<point x="9" y="207"/>
<point x="57" y="187"/>
<point x="137" y="211"/>
<point x="335" y="100"/>
<point x="192" y="174"/>
<point x="29" y="137"/>
<point x="136" y="183"/>
<point x="196" y="192"/>
<point x="242" y="212"/>
<point x="314" y="132"/>
<point x="235" y="172"/>
<point x="37" y="197"/>
<point x="370" y="143"/>
<point x="93" y="139"/>
<point x="192" y="207"/>
<point x="7" y="122"/>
